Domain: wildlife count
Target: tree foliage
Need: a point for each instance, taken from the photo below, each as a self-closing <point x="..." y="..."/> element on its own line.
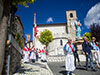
<point x="23" y="2"/>
<point x="88" y="35"/>
<point x="18" y="39"/>
<point x="95" y="31"/>
<point x="46" y="37"/>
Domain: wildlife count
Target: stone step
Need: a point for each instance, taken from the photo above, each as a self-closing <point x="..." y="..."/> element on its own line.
<point x="56" y="58"/>
<point x="62" y="58"/>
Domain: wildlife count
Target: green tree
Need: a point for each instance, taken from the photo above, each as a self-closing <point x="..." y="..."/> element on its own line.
<point x="95" y="31"/>
<point x="46" y="37"/>
<point x="88" y="35"/>
<point x="23" y="2"/>
<point x="18" y="39"/>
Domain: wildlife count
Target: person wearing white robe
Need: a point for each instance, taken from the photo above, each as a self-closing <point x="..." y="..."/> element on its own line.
<point x="40" y="51"/>
<point x="26" y="55"/>
<point x="33" y="55"/>
<point x="43" y="55"/>
<point x="98" y="51"/>
<point x="69" y="63"/>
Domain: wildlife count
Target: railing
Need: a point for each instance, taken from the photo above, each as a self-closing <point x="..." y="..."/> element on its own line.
<point x="14" y="43"/>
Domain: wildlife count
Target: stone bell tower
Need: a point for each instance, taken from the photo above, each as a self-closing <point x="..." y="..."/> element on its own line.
<point x="70" y="17"/>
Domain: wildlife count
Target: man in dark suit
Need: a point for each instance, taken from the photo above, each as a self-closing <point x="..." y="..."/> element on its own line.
<point x="87" y="49"/>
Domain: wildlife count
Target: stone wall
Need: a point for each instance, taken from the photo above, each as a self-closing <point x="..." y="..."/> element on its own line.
<point x="55" y="48"/>
<point x="16" y="54"/>
<point x="1" y="9"/>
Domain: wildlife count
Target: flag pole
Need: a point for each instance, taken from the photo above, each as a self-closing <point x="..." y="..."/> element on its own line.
<point x="35" y="30"/>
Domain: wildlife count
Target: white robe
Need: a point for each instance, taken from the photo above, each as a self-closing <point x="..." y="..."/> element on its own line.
<point x="69" y="63"/>
<point x="43" y="56"/>
<point x="26" y="56"/>
<point x="33" y="55"/>
<point x="97" y="56"/>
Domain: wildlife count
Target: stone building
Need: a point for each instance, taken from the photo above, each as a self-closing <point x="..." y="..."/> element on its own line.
<point x="60" y="31"/>
<point x="18" y="28"/>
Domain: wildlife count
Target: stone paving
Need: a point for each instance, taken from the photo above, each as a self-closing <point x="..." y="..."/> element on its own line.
<point x="37" y="68"/>
<point x="54" y="66"/>
<point x="58" y="68"/>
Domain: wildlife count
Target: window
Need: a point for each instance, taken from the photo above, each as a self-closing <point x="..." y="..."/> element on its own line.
<point x="71" y="15"/>
<point x="61" y="42"/>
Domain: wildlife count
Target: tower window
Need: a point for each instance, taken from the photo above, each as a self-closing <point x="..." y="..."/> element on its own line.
<point x="71" y="15"/>
<point x="61" y="42"/>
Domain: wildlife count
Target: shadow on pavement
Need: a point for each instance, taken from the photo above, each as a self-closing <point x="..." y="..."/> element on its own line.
<point x="62" y="67"/>
<point x="63" y="72"/>
<point x="80" y="68"/>
<point x="22" y="70"/>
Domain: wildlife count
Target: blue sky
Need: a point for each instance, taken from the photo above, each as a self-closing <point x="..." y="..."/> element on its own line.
<point x="55" y="9"/>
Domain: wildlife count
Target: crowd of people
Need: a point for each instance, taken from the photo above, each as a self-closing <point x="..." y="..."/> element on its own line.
<point x="91" y="50"/>
<point x="32" y="55"/>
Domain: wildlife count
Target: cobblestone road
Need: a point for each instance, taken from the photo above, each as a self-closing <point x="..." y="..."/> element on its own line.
<point x="58" y="68"/>
<point x="37" y="68"/>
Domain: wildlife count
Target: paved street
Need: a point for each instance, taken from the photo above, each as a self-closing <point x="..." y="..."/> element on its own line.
<point x="53" y="68"/>
<point x="37" y="68"/>
<point x="58" y="68"/>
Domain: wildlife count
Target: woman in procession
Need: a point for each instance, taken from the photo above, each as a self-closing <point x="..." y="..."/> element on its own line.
<point x="69" y="50"/>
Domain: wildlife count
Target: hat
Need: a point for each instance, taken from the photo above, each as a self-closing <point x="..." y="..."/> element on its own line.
<point x="93" y="38"/>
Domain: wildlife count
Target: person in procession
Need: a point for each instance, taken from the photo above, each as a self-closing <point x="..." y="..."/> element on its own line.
<point x="98" y="61"/>
<point x="69" y="50"/>
<point x="40" y="53"/>
<point x="33" y="54"/>
<point x="96" y="51"/>
<point x="43" y="55"/>
<point x="37" y="56"/>
<point x="47" y="50"/>
<point x="76" y="55"/>
<point x="87" y="49"/>
<point x="26" y="54"/>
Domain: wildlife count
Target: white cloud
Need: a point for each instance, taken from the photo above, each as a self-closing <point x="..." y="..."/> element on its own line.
<point x="50" y="19"/>
<point x="93" y="15"/>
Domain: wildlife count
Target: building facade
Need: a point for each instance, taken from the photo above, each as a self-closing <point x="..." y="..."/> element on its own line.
<point x="60" y="31"/>
<point x="18" y="28"/>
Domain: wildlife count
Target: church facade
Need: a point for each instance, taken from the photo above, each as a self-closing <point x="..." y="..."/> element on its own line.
<point x="60" y="31"/>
